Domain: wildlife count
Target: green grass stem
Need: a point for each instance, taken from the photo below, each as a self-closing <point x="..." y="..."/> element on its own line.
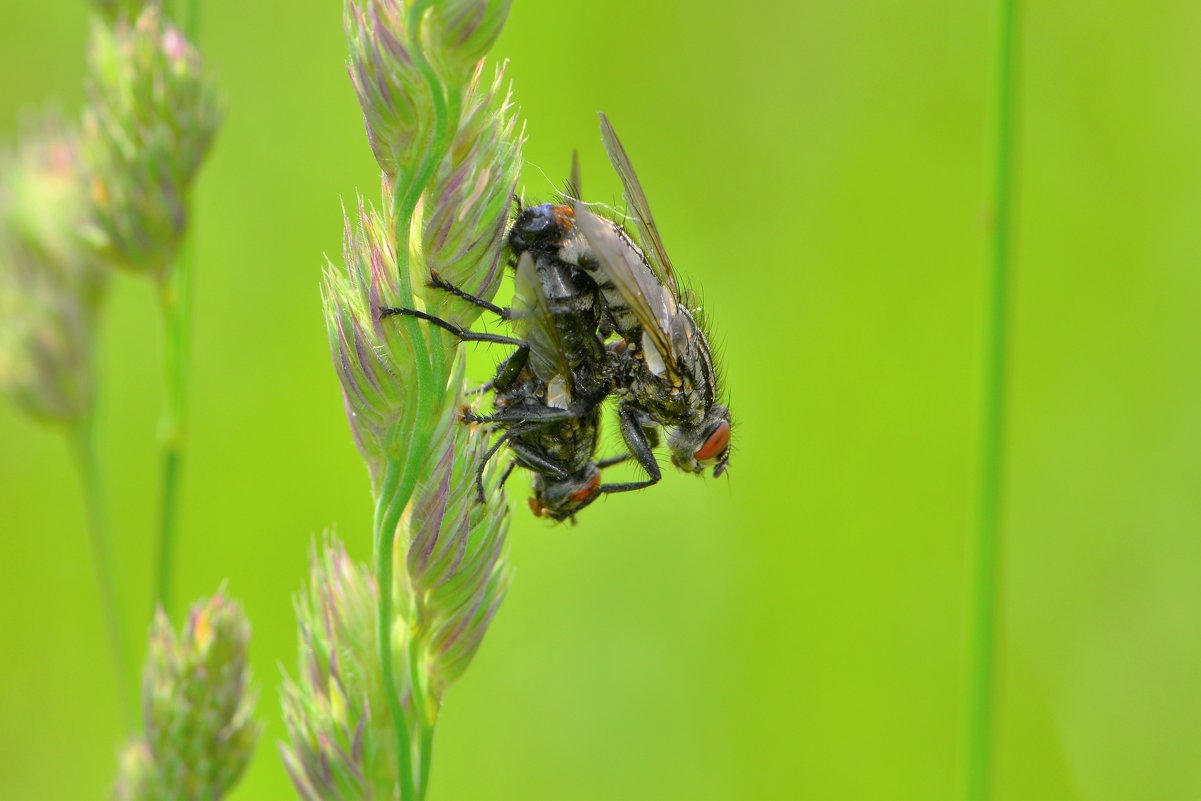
<point x="427" y="754"/>
<point x="175" y="299"/>
<point x="982" y="699"/>
<point x="397" y="488"/>
<point x="175" y="302"/>
<point x="400" y="482"/>
<point x="91" y="476"/>
<point x="447" y="110"/>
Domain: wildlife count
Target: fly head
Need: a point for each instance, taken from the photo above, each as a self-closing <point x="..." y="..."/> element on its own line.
<point x="560" y="498"/>
<point x="693" y="448"/>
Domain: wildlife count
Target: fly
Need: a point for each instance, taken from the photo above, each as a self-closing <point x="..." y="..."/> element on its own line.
<point x="664" y="369"/>
<point x="548" y="393"/>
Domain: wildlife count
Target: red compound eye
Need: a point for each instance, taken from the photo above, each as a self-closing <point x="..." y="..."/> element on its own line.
<point x="587" y="491"/>
<point x="716" y="443"/>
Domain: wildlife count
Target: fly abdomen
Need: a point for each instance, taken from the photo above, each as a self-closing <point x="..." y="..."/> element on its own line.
<point x="624" y="321"/>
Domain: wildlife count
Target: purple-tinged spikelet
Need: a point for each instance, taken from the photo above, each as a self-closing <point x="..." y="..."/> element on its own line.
<point x="469" y="200"/>
<point x="340" y="737"/>
<point x="461" y="232"/>
<point x="449" y="147"/>
<point x="454" y="555"/>
<point x="461" y="32"/>
<point x="398" y="76"/>
<point x="340" y="743"/>
<point x="376" y="360"/>
<point x="387" y="82"/>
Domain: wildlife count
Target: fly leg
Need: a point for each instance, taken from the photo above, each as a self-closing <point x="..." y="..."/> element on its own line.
<point x="585" y="504"/>
<point x="649" y="431"/>
<point x="544" y="414"/>
<point x="459" y="331"/>
<point x="612" y="460"/>
<point x="537" y="462"/>
<point x="500" y="486"/>
<point x="438" y="282"/>
<point x="506" y="374"/>
<point x="516" y="431"/>
<point x="638" y="440"/>
<point x="533" y="416"/>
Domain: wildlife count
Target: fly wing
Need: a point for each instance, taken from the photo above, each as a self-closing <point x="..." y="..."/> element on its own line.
<point x="535" y="324"/>
<point x="652" y="305"/>
<point x="648" y="231"/>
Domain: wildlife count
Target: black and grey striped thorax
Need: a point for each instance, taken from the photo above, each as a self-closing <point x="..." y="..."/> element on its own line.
<point x="571" y="294"/>
<point x="575" y="307"/>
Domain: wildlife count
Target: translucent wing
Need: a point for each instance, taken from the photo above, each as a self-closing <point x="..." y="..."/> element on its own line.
<point x="653" y="306"/>
<point x="648" y="231"/>
<point x="535" y="324"/>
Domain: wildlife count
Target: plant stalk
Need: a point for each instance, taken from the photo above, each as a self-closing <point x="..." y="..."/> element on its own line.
<point x="447" y="109"/>
<point x="190" y="20"/>
<point x="175" y="302"/>
<point x="982" y="701"/>
<point x="397" y="489"/>
<point x="400" y="482"/>
<point x="91" y="477"/>
<point x="427" y="754"/>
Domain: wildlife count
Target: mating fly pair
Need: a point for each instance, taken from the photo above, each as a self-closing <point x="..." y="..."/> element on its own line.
<point x="579" y="280"/>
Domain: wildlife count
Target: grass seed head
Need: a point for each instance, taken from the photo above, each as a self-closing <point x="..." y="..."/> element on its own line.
<point x="458" y="33"/>
<point x="340" y="742"/>
<point x="151" y="119"/>
<point x="198" y="732"/>
<point x="454" y="554"/>
<point x="468" y="203"/>
<point x="395" y="98"/>
<point x="448" y="144"/>
<point x="375" y="359"/>
<point x="51" y="286"/>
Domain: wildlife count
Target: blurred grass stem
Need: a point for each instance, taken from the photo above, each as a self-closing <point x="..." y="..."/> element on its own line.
<point x="91" y="477"/>
<point x="981" y="707"/>
<point x="176" y="302"/>
<point x="189" y="17"/>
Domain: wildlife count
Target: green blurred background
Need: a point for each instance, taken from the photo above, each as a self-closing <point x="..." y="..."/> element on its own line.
<point x="823" y="171"/>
